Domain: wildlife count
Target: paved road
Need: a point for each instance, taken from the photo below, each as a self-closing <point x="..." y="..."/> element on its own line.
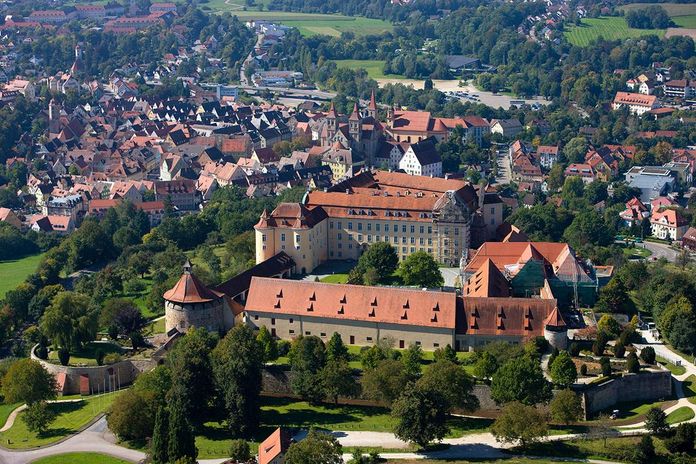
<point x="660" y="250"/>
<point x="504" y="169"/>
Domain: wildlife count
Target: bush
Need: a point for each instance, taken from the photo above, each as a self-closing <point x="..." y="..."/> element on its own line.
<point x="632" y="363"/>
<point x="113" y="332"/>
<point x="647" y="354"/>
<point x="605" y="364"/>
<point x="656" y="421"/>
<point x="64" y="356"/>
<point x="574" y="349"/>
<point x="583" y="369"/>
<point x="619" y="350"/>
<point x="112" y="358"/>
<point x="99" y="357"/>
<point x="283" y="348"/>
<point x="683" y="439"/>
<point x="240" y="450"/>
<point x="41" y="352"/>
<point x="600" y="344"/>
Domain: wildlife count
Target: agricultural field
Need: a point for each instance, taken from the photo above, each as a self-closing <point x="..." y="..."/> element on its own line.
<point x="611" y="28"/>
<point x="13" y="272"/>
<point x="687" y="22"/>
<point x="374" y="68"/>
<point x="672" y="9"/>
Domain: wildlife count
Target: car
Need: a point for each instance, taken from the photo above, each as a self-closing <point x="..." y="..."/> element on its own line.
<point x="614" y="414"/>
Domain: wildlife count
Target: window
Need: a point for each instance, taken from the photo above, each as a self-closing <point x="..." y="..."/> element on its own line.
<point x="273" y="321"/>
<point x="396" y="240"/>
<point x="350" y="226"/>
<point x="359" y="225"/>
<point x="323" y="334"/>
<point x="291" y="331"/>
<point x="430" y="229"/>
<point x="264" y="247"/>
<point x="256" y="318"/>
<point x="338" y="224"/>
<point x="396" y="228"/>
<point x="436" y="345"/>
<point x="360" y="238"/>
<point x="403" y="249"/>
<point x="340" y="254"/>
<point x="430" y="241"/>
<point x="290" y="320"/>
<point x="307" y="332"/>
<point x="340" y="245"/>
<point x="413" y="249"/>
<point x="369" y="238"/>
<point x="492" y="210"/>
<point x="413" y="240"/>
<point x="403" y="228"/>
<point x="340" y="236"/>
<point x="369" y="226"/>
<point x="377" y="227"/>
<point x="421" y="241"/>
<point x="421" y="229"/>
<point x="350" y="246"/>
<point x="456" y="231"/>
<point x="330" y="224"/>
<point x="403" y="240"/>
<point x="418" y="343"/>
<point x="369" y="339"/>
<point x="282" y="237"/>
<point x="413" y="229"/>
<point x="282" y="247"/>
<point x="263" y="237"/>
<point x="297" y="238"/>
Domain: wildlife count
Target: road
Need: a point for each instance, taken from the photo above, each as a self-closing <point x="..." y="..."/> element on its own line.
<point x="660" y="250"/>
<point x="504" y="168"/>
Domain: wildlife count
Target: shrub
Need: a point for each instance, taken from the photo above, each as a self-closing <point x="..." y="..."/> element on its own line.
<point x="683" y="439"/>
<point x="619" y="350"/>
<point x="112" y="358"/>
<point x="632" y="363"/>
<point x="647" y="354"/>
<point x="240" y="451"/>
<point x="283" y="347"/>
<point x="605" y="364"/>
<point x="656" y="421"/>
<point x="113" y="332"/>
<point x="99" y="357"/>
<point x="41" y="352"/>
<point x="574" y="349"/>
<point x="599" y="345"/>
<point x="583" y="369"/>
<point x="64" y="356"/>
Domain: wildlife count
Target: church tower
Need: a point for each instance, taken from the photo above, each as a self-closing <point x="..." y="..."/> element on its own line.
<point x="331" y="123"/>
<point x="53" y="117"/>
<point x="372" y="107"/>
<point x="77" y="64"/>
<point x="354" y="124"/>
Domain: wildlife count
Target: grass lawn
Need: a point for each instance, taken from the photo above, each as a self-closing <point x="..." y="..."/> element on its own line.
<point x="329" y="26"/>
<point x="636" y="253"/>
<point x="673" y="368"/>
<point x="688" y="22"/>
<point x="13" y="272"/>
<point x="70" y="418"/>
<point x="680" y="415"/>
<point x="689" y="386"/>
<point x="87" y="355"/>
<point x="5" y="410"/>
<point x="374" y="68"/>
<point x="335" y="279"/>
<point x="619" y="449"/>
<point x="80" y="458"/>
<point x="672" y="9"/>
<point x="497" y="461"/>
<point x="154" y="327"/>
<point x="611" y="28"/>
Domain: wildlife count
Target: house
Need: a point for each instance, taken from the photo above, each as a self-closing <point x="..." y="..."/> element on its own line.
<point x="181" y="193"/>
<point x="636" y="103"/>
<point x="548" y="155"/>
<point x="583" y="171"/>
<point x="668" y="224"/>
<point x="689" y="239"/>
<point x="506" y="127"/>
<point x="634" y="213"/>
<point x="9" y="217"/>
<point x="680" y="88"/>
<point x="272" y="450"/>
<point x="422" y="159"/>
<point x="652" y="181"/>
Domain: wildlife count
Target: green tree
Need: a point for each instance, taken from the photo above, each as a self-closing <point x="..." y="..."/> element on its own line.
<point x="647" y="354"/>
<point x="385" y="381"/>
<point x="381" y="257"/>
<point x="240" y="451"/>
<point x="632" y="363"/>
<point x="132" y="415"/>
<point x="588" y="227"/>
<point x="445" y="354"/>
<point x="452" y="382"/>
<point x="605" y="365"/>
<point x="645" y="451"/>
<point x="563" y="370"/>
<point x="575" y="149"/>
<point x="556" y="178"/>
<point x="26" y="381"/>
<point x="237" y="363"/>
<point x="609" y="326"/>
<point x="656" y="421"/>
<point x="316" y="448"/>
<point x="412" y="358"/>
<point x="124" y="317"/>
<point x="307" y="357"/>
<point x="268" y="344"/>
<point x="519" y="423"/>
<point x="613" y="297"/>
<point x="159" y="448"/>
<point x="192" y="374"/>
<point x="337" y="379"/>
<point x="420" y="269"/>
<point x="38" y="416"/>
<point x="566" y="407"/>
<point x="573" y="188"/>
<point x="181" y="441"/>
<point x="520" y="380"/>
<point x="486" y="366"/>
<point x="69" y="321"/>
<point x="421" y="415"/>
<point x="336" y="350"/>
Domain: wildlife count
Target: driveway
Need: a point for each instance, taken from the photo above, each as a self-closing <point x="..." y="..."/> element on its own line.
<point x="660" y="250"/>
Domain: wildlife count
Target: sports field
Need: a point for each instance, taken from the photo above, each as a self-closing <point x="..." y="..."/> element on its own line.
<point x="374" y="68"/>
<point x="13" y="272"/>
<point x="610" y="28"/>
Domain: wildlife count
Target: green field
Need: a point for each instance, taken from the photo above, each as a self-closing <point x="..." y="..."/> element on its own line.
<point x="80" y="458"/>
<point x="13" y="273"/>
<point x="687" y="22"/>
<point x="610" y="28"/>
<point x="680" y="415"/>
<point x="71" y="418"/>
<point x="374" y="68"/>
<point x="672" y="9"/>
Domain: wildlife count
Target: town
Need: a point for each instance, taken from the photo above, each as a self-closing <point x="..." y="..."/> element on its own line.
<point x="322" y="232"/>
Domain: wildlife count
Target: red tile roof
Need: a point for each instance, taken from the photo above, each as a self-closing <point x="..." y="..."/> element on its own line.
<point x="276" y="444"/>
<point x="524" y="317"/>
<point x="191" y="290"/>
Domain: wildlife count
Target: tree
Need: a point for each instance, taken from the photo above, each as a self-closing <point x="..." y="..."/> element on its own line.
<point x="68" y="321"/>
<point x="656" y="421"/>
<point x="268" y="344"/>
<point x="237" y="363"/>
<point x="240" y="450"/>
<point x="556" y="178"/>
<point x="132" y="415"/>
<point x="421" y="415"/>
<point x="519" y="423"/>
<point x="307" y="357"/>
<point x="588" y="227"/>
<point x="563" y="370"/>
<point x="486" y="366"/>
<point x="412" y="358"/>
<point x="26" y="381"/>
<point x="337" y="379"/>
<point x="316" y="448"/>
<point x="647" y="354"/>
<point x="609" y="326"/>
<point x="599" y="344"/>
<point x="181" y="439"/>
<point x="575" y="149"/>
<point x="632" y="363"/>
<point x="192" y="374"/>
<point x="41" y="300"/>
<point x="421" y="269"/>
<point x="124" y="316"/>
<point x="381" y="257"/>
<point x="385" y="381"/>
<point x="520" y="380"/>
<point x="613" y="297"/>
<point x="573" y="188"/>
<point x="445" y="354"/>
<point x="336" y="350"/>
<point x="566" y="407"/>
<point x="683" y="439"/>
<point x="645" y="451"/>
<point x="605" y="365"/>
<point x="159" y="448"/>
<point x="38" y="416"/>
<point x="452" y="382"/>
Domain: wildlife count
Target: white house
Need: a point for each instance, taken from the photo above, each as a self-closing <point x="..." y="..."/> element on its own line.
<point x="422" y="159"/>
<point x="637" y="103"/>
<point x="668" y="224"/>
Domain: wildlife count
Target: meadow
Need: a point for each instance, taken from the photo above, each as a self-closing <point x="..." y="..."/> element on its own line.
<point x="374" y="68"/>
<point x="13" y="272"/>
<point x="610" y="28"/>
